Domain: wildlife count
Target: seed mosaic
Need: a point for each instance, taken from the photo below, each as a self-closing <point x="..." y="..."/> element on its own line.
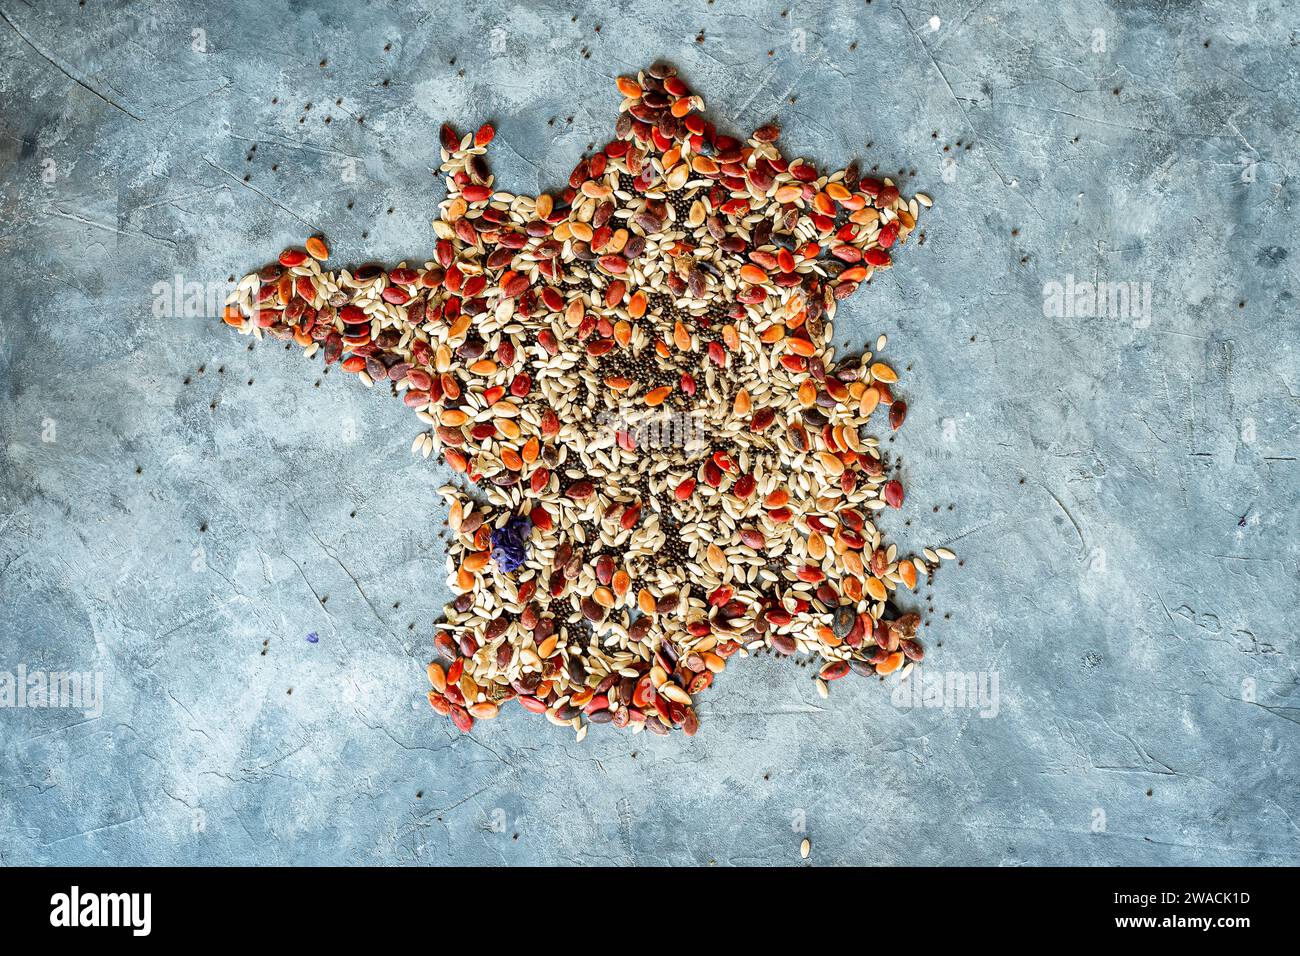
<point x="661" y="462"/>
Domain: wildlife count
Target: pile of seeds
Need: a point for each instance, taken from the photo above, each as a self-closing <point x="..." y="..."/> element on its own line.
<point x="663" y="463"/>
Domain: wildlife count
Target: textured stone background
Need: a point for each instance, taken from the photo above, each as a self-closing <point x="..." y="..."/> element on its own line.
<point x="1122" y="490"/>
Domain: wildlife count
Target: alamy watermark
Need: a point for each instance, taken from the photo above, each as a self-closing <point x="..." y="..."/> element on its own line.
<point x="656" y="428"/>
<point x="75" y="908"/>
<point x="1130" y="301"/>
<point x="949" y="690"/>
<point x="69" y="690"/>
<point x="175" y="298"/>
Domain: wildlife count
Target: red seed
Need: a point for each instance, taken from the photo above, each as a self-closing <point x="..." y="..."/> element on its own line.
<point x="893" y="493"/>
<point x="461" y="718"/>
<point x="630" y="517"/>
<point x="542" y="518"/>
<point x="580" y="490"/>
<point x="762" y="419"/>
<point x="834" y="670"/>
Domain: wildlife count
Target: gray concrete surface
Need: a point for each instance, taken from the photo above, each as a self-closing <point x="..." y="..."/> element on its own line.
<point x="177" y="512"/>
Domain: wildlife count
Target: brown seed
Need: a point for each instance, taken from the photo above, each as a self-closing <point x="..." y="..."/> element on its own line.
<point x="580" y="490"/>
<point x="783" y="643"/>
<point x="844" y="619"/>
